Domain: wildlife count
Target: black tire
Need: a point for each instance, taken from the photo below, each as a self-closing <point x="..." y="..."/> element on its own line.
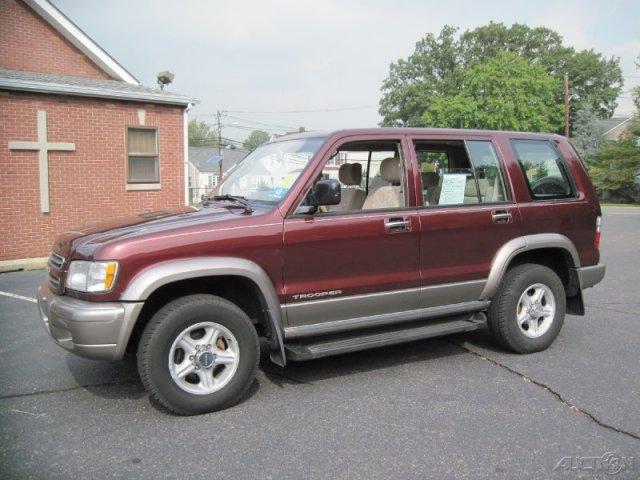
<point x="159" y="335"/>
<point x="502" y="321"/>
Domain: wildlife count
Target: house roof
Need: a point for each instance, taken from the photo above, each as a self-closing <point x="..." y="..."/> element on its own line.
<point x="607" y="126"/>
<point x="206" y="159"/>
<point x="81" y="40"/>
<point x="87" y="87"/>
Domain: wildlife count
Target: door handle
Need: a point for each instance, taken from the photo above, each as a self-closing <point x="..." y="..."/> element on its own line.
<point x="397" y="224"/>
<point x="501" y="216"/>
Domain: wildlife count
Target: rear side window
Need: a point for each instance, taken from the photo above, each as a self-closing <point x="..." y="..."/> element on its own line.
<point x="457" y="172"/>
<point x="544" y="169"/>
<point x="487" y="171"/>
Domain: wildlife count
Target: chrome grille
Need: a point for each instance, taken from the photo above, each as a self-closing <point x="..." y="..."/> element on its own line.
<point x="54" y="282"/>
<point x="56" y="261"/>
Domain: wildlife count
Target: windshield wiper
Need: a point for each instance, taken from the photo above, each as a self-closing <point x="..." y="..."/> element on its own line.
<point x="236" y="199"/>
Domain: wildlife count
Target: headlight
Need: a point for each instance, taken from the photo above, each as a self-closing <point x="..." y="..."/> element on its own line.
<point x="91" y="276"/>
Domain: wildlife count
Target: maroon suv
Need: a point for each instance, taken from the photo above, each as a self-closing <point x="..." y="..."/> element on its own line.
<point x="327" y="243"/>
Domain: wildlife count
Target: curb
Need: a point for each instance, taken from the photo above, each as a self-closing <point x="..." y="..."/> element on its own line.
<point x="37" y="263"/>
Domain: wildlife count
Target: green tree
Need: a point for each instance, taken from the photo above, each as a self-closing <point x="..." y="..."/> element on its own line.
<point x="614" y="170"/>
<point x="586" y="133"/>
<point x="255" y="139"/>
<point x="505" y="93"/>
<point x="201" y="134"/>
<point x="439" y="62"/>
<point x="593" y="78"/>
<point x="435" y="68"/>
<point x="636" y="91"/>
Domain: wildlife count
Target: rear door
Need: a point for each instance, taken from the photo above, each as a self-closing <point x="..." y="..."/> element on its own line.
<point x="466" y="214"/>
<point x="347" y="264"/>
<point x="554" y="198"/>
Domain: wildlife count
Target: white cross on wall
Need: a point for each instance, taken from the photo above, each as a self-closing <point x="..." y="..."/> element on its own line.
<point x="43" y="147"/>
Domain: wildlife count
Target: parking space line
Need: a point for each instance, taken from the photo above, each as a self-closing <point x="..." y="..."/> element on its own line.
<point x="19" y="297"/>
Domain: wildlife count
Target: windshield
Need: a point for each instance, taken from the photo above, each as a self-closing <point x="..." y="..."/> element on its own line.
<point x="267" y="173"/>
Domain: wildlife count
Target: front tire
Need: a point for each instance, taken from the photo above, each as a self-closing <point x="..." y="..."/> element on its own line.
<point x="528" y="310"/>
<point x="198" y="354"/>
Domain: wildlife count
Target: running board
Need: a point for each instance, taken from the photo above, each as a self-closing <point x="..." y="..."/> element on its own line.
<point x="364" y="341"/>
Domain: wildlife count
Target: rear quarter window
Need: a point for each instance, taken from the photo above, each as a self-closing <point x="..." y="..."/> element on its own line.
<point x="544" y="169"/>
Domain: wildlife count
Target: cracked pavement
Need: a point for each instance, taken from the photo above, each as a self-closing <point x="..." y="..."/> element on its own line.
<point x="455" y="407"/>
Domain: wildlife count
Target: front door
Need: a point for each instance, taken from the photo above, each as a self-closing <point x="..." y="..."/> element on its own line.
<point x="467" y="214"/>
<point x="359" y="258"/>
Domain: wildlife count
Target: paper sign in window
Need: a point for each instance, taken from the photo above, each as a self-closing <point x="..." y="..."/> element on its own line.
<point x="452" y="192"/>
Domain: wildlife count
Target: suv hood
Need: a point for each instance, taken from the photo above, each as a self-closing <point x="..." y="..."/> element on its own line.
<point x="86" y="240"/>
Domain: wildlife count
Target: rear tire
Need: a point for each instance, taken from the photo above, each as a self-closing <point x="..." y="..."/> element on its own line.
<point x="206" y="336"/>
<point x="527" y="311"/>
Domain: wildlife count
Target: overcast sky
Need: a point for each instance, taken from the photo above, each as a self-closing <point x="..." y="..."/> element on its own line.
<point x="296" y="55"/>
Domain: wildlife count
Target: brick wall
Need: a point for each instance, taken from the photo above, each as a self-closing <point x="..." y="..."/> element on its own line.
<point x="29" y="43"/>
<point x="86" y="185"/>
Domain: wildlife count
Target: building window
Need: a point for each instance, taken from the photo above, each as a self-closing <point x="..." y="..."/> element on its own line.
<point x="142" y="160"/>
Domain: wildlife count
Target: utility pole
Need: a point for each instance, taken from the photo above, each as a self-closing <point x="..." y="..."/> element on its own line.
<point x="566" y="105"/>
<point x="219" y="128"/>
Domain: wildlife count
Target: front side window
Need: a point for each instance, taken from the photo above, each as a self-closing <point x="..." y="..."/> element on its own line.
<point x="544" y="169"/>
<point x="267" y="173"/>
<point x="142" y="159"/>
<point x="371" y="175"/>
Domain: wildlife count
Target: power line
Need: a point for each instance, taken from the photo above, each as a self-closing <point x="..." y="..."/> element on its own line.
<point x="214" y="143"/>
<point x="247" y="127"/>
<point x="231" y="140"/>
<point x="252" y="127"/>
<point x="249" y="124"/>
<point x="342" y="109"/>
<point x="287" y="127"/>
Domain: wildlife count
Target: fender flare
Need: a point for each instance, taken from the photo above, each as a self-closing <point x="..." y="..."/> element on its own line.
<point x="509" y="250"/>
<point x="150" y="279"/>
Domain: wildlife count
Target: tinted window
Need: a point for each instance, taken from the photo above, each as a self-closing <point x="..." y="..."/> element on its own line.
<point x="543" y="169"/>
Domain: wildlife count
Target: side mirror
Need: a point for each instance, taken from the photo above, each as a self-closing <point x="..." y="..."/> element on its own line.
<point x="327" y="192"/>
<point x="324" y="192"/>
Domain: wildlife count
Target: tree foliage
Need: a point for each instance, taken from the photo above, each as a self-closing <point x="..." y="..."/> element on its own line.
<point x="505" y="93"/>
<point x="255" y="139"/>
<point x="614" y="170"/>
<point x="439" y="63"/>
<point x="636" y="91"/>
<point x="586" y="134"/>
<point x="201" y="134"/>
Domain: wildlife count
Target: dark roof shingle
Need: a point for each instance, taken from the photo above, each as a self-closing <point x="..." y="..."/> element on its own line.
<point x="206" y="159"/>
<point x="87" y="87"/>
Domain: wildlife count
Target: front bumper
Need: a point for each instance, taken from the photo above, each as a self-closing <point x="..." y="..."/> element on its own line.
<point x="90" y="329"/>
<point x="590" y="276"/>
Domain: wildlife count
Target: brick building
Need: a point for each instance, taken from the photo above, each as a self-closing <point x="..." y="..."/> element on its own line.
<point x="80" y="139"/>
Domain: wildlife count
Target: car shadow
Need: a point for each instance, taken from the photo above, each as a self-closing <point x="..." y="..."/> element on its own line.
<point x="309" y="372"/>
<point x="481" y="339"/>
<point x="120" y="380"/>
<point x="251" y="391"/>
<point x="106" y="379"/>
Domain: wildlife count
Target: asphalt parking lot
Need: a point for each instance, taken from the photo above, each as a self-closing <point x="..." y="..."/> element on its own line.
<point x="452" y="408"/>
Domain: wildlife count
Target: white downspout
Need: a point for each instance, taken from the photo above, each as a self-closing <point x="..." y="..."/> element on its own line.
<point x="186" y="155"/>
